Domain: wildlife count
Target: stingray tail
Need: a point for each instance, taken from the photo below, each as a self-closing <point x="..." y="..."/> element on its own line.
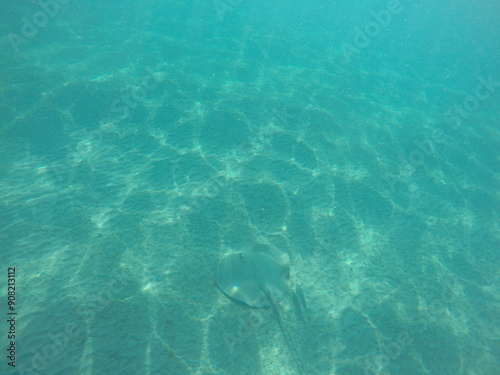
<point x="289" y="341"/>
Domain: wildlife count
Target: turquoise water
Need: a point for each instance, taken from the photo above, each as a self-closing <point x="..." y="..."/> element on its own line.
<point x="140" y="142"/>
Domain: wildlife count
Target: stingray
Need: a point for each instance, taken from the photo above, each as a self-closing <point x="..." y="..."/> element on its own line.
<point x="259" y="279"/>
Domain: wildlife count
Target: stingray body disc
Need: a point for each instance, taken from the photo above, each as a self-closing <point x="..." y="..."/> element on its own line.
<point x="252" y="278"/>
